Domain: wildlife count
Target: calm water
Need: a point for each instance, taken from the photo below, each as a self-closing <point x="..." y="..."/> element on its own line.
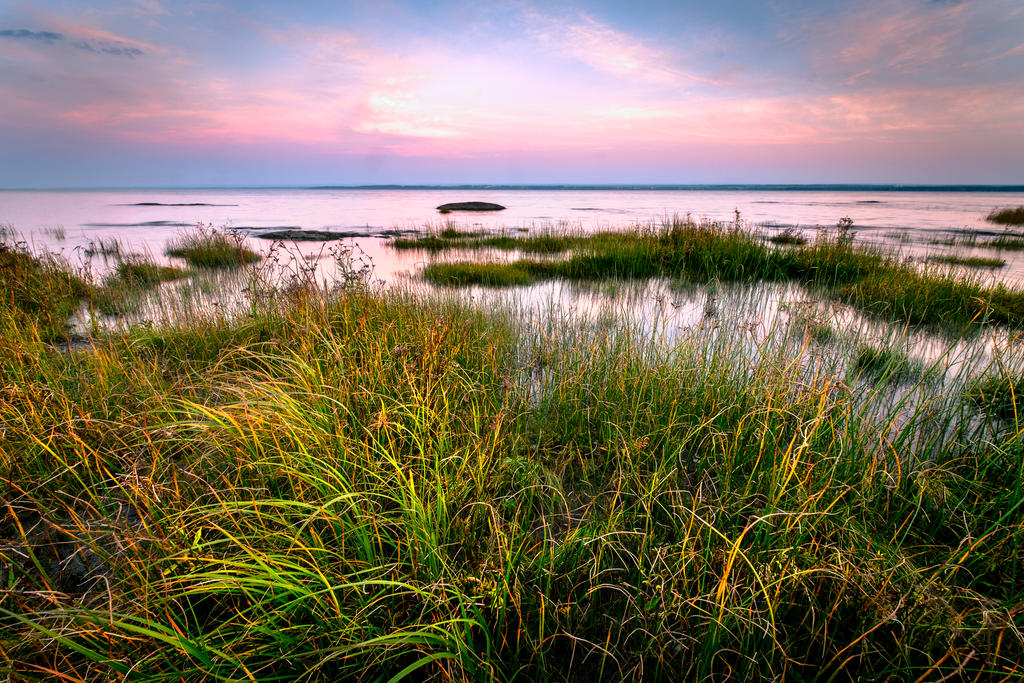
<point x="68" y="221"/>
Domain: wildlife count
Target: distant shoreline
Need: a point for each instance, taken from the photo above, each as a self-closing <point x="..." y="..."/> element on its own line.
<point x="840" y="187"/>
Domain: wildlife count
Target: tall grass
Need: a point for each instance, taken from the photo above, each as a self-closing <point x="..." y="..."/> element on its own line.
<point x="123" y="288"/>
<point x="1011" y="216"/>
<point x="863" y="276"/>
<point x="374" y="486"/>
<point x="37" y="294"/>
<point x="206" y="247"/>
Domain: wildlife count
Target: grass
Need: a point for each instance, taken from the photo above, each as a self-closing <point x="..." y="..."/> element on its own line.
<point x="374" y="486"/>
<point x="57" y="232"/>
<point x="789" y="236"/>
<point x="865" y="277"/>
<point x="1008" y="243"/>
<point x="885" y="364"/>
<point x="998" y="394"/>
<point x="450" y="238"/>
<point x="1011" y="216"/>
<point x="205" y="247"/>
<point x="37" y="294"/>
<point x="968" y="261"/>
<point x="105" y="247"/>
<point x="490" y="274"/>
<point x="119" y="293"/>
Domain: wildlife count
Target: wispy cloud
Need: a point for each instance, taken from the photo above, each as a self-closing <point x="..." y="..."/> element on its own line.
<point x="105" y="45"/>
<point x="25" y="34"/>
<point x="108" y="48"/>
<point x="603" y="48"/>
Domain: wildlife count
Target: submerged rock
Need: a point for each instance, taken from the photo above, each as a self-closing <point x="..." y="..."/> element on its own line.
<point x="470" y="206"/>
<point x="307" y="235"/>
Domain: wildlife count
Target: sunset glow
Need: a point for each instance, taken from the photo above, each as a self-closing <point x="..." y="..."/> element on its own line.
<point x="146" y="93"/>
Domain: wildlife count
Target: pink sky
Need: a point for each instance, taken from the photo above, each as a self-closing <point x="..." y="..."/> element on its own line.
<point x="259" y="93"/>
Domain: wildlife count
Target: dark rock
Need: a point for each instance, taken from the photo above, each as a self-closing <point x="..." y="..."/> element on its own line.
<point x="306" y="235"/>
<point x="395" y="232"/>
<point x="471" y="206"/>
<point x="162" y="204"/>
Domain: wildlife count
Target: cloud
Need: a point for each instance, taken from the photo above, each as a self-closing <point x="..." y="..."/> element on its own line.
<point x="25" y="34"/>
<point x="109" y="48"/>
<point x="118" y="48"/>
<point x="603" y="48"/>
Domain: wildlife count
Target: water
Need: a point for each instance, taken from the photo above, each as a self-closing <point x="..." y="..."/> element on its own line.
<point x="908" y="217"/>
<point x="143" y="221"/>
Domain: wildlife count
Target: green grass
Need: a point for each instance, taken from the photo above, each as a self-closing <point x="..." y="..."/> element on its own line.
<point x="1011" y="216"/>
<point x="789" y="237"/>
<point x="998" y="394"/>
<point x="866" y="277"/>
<point x="37" y="294"/>
<point x="490" y="274"/>
<point x="450" y="238"/>
<point x="204" y="247"/>
<point x="121" y="290"/>
<point x="968" y="261"/>
<point x="1008" y="243"/>
<point x="362" y="486"/>
<point x="885" y="364"/>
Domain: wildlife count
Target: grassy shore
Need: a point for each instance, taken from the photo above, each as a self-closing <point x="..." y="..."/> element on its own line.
<point x="347" y="485"/>
<point x="866" y="277"/>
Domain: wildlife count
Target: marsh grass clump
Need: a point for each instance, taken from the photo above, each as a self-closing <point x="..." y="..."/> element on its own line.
<point x="105" y="247"/>
<point x="121" y="291"/>
<point x="789" y="236"/>
<point x="37" y="293"/>
<point x="451" y="238"/>
<point x="867" y="277"/>
<point x="57" y="232"/>
<point x="488" y="274"/>
<point x="205" y="247"/>
<point x="144" y="272"/>
<point x="998" y="393"/>
<point x="969" y="261"/>
<point x="1010" y="216"/>
<point x="1006" y="242"/>
<point x="885" y="364"/>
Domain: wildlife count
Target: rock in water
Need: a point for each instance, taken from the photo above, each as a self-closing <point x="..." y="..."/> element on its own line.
<point x="470" y="206"/>
<point x="306" y="235"/>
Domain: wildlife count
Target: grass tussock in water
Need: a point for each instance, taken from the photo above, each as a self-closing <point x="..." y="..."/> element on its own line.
<point x="452" y="238"/>
<point x="206" y="247"/>
<point x="373" y="486"/>
<point x="885" y="364"/>
<point x="868" y="278"/>
<point x="1011" y="216"/>
<point x="788" y="236"/>
<point x="1008" y="243"/>
<point x="969" y="261"/>
<point x="121" y="291"/>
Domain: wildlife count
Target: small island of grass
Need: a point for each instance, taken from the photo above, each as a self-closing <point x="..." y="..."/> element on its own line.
<point x="1011" y="216"/>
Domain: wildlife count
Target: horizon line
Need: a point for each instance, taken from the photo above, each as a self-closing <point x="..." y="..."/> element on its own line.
<point x="807" y="187"/>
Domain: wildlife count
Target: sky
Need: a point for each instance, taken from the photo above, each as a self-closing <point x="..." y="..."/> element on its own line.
<point x="133" y="93"/>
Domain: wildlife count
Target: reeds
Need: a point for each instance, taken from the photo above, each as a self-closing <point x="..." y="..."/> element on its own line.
<point x="37" y="294"/>
<point x="205" y="247"/>
<point x="1011" y="216"/>
<point x="369" y="486"/>
<point x="866" y="277"/>
<point x="968" y="261"/>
